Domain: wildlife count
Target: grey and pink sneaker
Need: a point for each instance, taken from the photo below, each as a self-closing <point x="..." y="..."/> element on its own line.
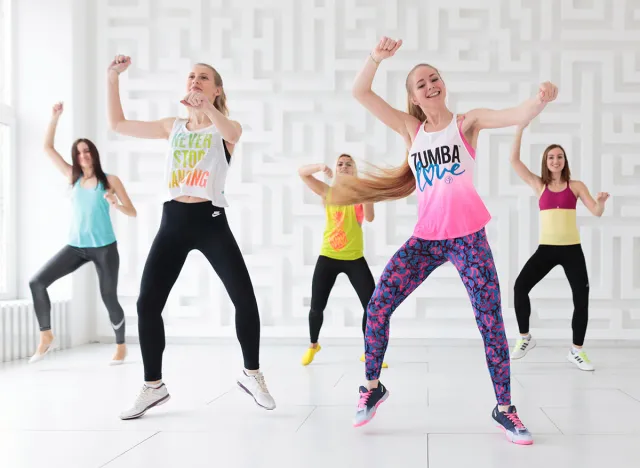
<point x="513" y="428"/>
<point x="368" y="404"/>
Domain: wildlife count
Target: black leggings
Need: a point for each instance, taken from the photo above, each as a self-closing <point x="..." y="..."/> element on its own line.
<point x="324" y="277"/>
<point x="571" y="258"/>
<point x="68" y="260"/>
<point x="185" y="227"/>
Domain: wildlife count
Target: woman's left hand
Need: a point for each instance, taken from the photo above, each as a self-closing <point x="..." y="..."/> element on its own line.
<point x="196" y="100"/>
<point x="111" y="198"/>
<point x="602" y="197"/>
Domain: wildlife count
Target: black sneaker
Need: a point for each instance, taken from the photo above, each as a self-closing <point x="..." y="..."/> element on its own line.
<point x="368" y="404"/>
<point x="513" y="428"/>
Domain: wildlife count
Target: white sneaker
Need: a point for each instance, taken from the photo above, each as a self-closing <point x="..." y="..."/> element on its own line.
<point x="581" y="360"/>
<point x="147" y="399"/>
<point x="39" y="357"/>
<point x="255" y="386"/>
<point x="522" y="347"/>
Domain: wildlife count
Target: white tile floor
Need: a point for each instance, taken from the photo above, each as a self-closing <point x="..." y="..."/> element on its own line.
<point x="63" y="412"/>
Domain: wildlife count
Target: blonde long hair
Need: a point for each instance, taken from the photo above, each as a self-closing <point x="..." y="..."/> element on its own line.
<point x="386" y="183"/>
<point x="220" y="102"/>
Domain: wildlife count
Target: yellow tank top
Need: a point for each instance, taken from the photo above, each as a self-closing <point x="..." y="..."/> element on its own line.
<point x="343" y="238"/>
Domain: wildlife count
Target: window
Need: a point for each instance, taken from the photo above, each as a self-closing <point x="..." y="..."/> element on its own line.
<point x="8" y="223"/>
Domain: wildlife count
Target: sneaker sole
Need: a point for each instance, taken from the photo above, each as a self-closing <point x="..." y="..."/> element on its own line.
<point x="373" y="413"/>
<point x="161" y="401"/>
<point x="509" y="437"/>
<point x="254" y="398"/>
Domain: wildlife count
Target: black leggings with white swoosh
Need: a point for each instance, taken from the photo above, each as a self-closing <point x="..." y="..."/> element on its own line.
<point x="186" y="227"/>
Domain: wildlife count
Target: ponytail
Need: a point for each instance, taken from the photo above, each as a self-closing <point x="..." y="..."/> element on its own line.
<point x="388" y="184"/>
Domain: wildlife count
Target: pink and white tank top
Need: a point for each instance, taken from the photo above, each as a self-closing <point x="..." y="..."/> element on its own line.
<point x="448" y="204"/>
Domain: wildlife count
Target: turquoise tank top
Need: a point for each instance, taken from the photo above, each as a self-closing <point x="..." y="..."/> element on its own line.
<point x="91" y="225"/>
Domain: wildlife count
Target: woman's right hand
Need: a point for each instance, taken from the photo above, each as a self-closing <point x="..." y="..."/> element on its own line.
<point x="327" y="170"/>
<point x="386" y="48"/>
<point x="57" y="110"/>
<point x="119" y="64"/>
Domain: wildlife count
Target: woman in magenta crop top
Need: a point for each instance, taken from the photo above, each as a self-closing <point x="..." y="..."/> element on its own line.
<point x="559" y="244"/>
<point x="451" y="219"/>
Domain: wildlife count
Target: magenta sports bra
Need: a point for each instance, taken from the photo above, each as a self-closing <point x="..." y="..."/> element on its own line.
<point x="553" y="200"/>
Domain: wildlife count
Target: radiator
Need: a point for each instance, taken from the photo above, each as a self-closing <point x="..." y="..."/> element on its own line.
<point x="19" y="331"/>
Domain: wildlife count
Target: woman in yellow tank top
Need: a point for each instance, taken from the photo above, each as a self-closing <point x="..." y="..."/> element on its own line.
<point x="559" y="245"/>
<point x="342" y="250"/>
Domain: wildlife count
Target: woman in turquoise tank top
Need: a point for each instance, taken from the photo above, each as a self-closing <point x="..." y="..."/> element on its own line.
<point x="91" y="237"/>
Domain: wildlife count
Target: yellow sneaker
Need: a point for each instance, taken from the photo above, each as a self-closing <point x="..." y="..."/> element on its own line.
<point x="384" y="364"/>
<point x="309" y="354"/>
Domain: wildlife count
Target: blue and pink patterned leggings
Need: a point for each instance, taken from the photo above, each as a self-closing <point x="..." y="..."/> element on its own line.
<point x="410" y="266"/>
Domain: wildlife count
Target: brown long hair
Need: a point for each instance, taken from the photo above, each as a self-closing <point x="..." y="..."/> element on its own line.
<point x="220" y="102"/>
<point x="76" y="170"/>
<point x="387" y="183"/>
<point x="545" y="173"/>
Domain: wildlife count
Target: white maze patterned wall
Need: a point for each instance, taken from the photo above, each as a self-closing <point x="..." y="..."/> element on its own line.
<point x="288" y="67"/>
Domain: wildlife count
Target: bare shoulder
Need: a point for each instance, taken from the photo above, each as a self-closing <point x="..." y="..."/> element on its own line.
<point x="114" y="180"/>
<point x="576" y="186"/>
<point x="412" y="125"/>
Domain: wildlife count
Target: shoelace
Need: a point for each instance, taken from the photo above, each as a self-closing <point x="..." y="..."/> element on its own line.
<point x="144" y="393"/>
<point x="261" y="382"/>
<point x="364" y="398"/>
<point x="513" y="417"/>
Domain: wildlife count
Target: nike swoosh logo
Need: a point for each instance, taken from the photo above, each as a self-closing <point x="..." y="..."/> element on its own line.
<point x="215" y="213"/>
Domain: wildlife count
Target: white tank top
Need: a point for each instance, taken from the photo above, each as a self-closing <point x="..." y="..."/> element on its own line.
<point x="448" y="204"/>
<point x="197" y="163"/>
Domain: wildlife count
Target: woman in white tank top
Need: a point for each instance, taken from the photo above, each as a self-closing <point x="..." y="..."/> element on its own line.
<point x="193" y="218"/>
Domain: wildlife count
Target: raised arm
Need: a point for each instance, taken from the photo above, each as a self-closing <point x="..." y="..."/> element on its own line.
<point x="118" y="198"/>
<point x="306" y="174"/>
<point x="58" y="161"/>
<point x="402" y="123"/>
<point x="479" y="119"/>
<point x="521" y="169"/>
<point x="596" y="207"/>
<point x="157" y="129"/>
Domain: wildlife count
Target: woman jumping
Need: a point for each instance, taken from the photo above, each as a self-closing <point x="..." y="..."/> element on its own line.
<point x="451" y="219"/>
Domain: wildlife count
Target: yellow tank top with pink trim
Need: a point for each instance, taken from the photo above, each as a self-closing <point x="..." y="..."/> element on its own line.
<point x="343" y="239"/>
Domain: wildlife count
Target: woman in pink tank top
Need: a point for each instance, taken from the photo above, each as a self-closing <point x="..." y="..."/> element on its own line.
<point x="559" y="245"/>
<point x="451" y="218"/>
